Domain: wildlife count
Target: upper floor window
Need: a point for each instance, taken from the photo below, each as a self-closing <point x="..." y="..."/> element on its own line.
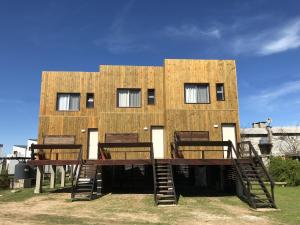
<point x="129" y="97"/>
<point x="90" y="100"/>
<point x="196" y="93"/>
<point x="68" y="102"/>
<point x="151" y="96"/>
<point x="220" y="92"/>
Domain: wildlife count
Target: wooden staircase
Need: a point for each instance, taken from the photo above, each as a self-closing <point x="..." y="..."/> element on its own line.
<point x="164" y="189"/>
<point x="254" y="179"/>
<point x="86" y="178"/>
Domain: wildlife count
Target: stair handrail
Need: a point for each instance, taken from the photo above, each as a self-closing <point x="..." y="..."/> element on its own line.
<point x="238" y="169"/>
<point x="174" y="150"/>
<point x="154" y="173"/>
<point x="75" y="174"/>
<point x="259" y="160"/>
<point x="173" y="185"/>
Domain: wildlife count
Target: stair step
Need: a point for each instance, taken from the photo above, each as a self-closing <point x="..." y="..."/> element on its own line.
<point x="165" y="196"/>
<point x="162" y="171"/>
<point x="165" y="186"/>
<point x="165" y="201"/>
<point x="84" y="183"/>
<point x="83" y="190"/>
<point x="165" y="191"/>
<point x="163" y="178"/>
<point x="164" y="182"/>
<point x="260" y="199"/>
<point x="263" y="205"/>
<point x="260" y="193"/>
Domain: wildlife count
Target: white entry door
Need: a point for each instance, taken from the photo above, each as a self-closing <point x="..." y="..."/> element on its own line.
<point x="93" y="144"/>
<point x="158" y="142"/>
<point x="228" y="132"/>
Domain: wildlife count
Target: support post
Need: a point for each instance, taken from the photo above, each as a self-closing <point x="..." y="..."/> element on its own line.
<point x="63" y="176"/>
<point x="39" y="180"/>
<point x="52" y="176"/>
<point x="71" y="174"/>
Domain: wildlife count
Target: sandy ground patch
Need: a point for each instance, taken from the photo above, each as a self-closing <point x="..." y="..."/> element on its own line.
<point x="125" y="209"/>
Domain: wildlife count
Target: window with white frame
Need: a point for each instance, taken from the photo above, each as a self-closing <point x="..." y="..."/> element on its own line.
<point x="220" y="92"/>
<point x="129" y="98"/>
<point x="196" y="93"/>
<point x="68" y="102"/>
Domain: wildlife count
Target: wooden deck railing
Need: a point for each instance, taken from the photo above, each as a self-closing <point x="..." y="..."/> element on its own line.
<point x="176" y="152"/>
<point x="105" y="149"/>
<point x="42" y="154"/>
<point x="252" y="153"/>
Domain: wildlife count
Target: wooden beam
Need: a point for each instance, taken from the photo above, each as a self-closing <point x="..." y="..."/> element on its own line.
<point x="125" y="145"/>
<point x="107" y="162"/>
<point x="203" y="143"/>
<point x="55" y="146"/>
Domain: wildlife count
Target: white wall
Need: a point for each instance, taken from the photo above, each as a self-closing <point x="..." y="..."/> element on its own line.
<point x="1" y="155"/>
<point x="278" y="144"/>
<point x="18" y="151"/>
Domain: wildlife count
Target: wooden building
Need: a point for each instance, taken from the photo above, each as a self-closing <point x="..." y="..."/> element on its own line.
<point x="166" y="102"/>
<point x="178" y="110"/>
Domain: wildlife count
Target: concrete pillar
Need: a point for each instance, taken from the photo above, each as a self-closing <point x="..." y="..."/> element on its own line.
<point x="39" y="180"/>
<point x="63" y="176"/>
<point x="52" y="176"/>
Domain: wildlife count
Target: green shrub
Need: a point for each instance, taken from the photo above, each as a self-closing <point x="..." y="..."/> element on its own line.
<point x="285" y="170"/>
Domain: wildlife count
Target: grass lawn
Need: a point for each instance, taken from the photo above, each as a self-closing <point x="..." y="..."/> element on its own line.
<point x="288" y="201"/>
<point x="56" y="208"/>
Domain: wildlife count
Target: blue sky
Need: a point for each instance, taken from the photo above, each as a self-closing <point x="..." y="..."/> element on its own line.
<point x="263" y="36"/>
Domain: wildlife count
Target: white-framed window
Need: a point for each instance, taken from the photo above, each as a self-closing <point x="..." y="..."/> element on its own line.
<point x="129" y="98"/>
<point x="196" y="93"/>
<point x="220" y="92"/>
<point x="68" y="102"/>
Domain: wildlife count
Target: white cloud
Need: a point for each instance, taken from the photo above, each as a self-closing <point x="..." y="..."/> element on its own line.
<point x="118" y="41"/>
<point x="191" y="31"/>
<point x="281" y="91"/>
<point x="270" y="41"/>
<point x="275" y="98"/>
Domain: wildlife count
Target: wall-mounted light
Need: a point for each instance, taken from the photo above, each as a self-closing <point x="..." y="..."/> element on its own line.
<point x="82" y="130"/>
<point x="145" y="128"/>
<point x="216" y="125"/>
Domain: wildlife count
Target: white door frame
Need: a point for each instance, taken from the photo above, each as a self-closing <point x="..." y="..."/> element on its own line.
<point x="88" y="141"/>
<point x="235" y="136"/>
<point x="163" y="129"/>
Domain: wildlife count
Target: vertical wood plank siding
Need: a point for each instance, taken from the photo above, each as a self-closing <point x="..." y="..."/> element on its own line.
<point x="169" y="110"/>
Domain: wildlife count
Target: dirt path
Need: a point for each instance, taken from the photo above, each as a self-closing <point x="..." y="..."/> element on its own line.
<point x="125" y="209"/>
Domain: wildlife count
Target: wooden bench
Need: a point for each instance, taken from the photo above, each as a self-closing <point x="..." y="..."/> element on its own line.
<point x="191" y="136"/>
<point x="56" y="153"/>
<point x="123" y="140"/>
<point x="196" y="144"/>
